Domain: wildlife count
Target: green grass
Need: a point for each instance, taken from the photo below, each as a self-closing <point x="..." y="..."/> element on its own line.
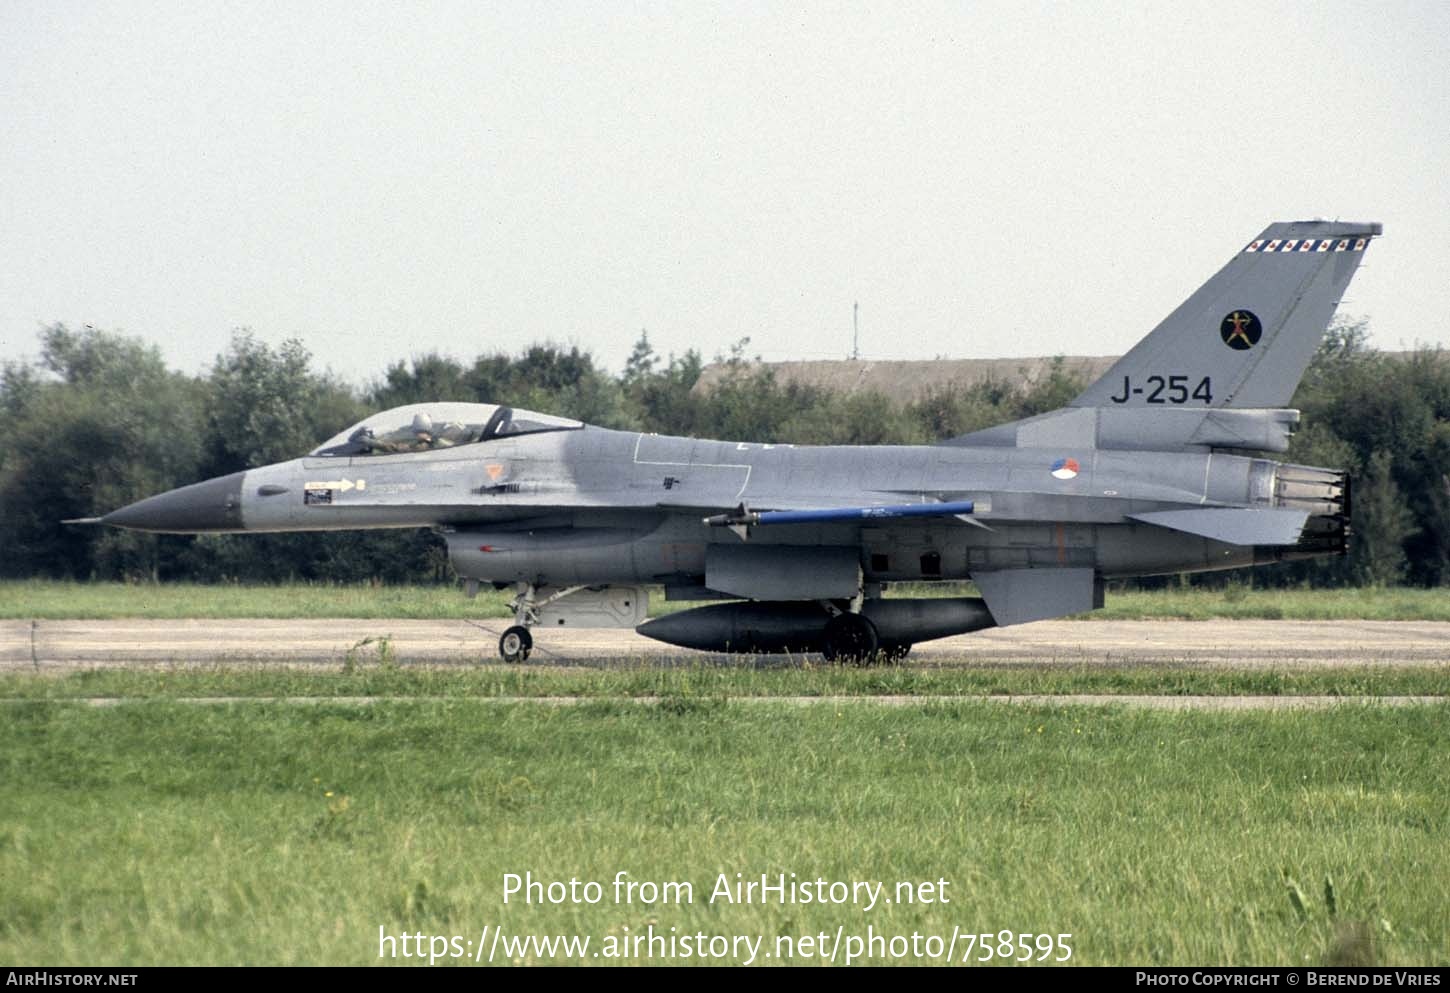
<point x="709" y="681"/>
<point x="53" y="600"/>
<point x="50" y="600"/>
<point x="159" y="833"/>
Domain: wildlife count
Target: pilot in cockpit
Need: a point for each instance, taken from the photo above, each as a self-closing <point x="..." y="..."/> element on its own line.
<point x="452" y="433"/>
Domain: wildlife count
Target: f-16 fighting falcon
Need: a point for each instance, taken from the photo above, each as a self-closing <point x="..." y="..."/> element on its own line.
<point x="1154" y="469"/>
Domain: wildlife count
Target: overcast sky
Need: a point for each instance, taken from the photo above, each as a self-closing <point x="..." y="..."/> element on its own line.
<point x="988" y="180"/>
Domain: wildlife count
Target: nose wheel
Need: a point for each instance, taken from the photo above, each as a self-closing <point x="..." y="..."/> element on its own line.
<point x="515" y="644"/>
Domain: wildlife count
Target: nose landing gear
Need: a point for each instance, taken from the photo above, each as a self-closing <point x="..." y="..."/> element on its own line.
<point x="515" y="644"/>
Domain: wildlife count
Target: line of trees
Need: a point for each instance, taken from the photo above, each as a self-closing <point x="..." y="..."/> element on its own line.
<point x="98" y="421"/>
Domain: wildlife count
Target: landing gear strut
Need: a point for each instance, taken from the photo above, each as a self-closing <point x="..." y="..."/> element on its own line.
<point x="516" y="642"/>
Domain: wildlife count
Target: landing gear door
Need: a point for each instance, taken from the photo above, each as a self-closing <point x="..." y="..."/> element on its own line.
<point x="606" y="607"/>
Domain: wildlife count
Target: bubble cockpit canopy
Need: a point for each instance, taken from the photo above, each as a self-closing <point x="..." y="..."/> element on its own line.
<point x="428" y="427"/>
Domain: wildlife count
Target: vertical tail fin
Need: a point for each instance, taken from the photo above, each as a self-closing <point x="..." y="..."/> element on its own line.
<point x="1218" y="372"/>
<point x="1244" y="339"/>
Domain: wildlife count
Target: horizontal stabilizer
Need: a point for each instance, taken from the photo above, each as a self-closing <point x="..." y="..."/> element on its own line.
<point x="1233" y="525"/>
<point x="1016" y="596"/>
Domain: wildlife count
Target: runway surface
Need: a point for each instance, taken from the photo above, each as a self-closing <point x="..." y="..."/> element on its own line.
<point x="58" y="646"/>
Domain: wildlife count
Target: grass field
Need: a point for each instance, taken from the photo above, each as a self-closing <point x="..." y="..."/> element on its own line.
<point x="47" y="600"/>
<point x="715" y="682"/>
<point x="159" y="833"/>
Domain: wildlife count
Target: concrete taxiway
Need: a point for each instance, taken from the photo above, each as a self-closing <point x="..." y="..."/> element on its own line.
<point x="58" y="646"/>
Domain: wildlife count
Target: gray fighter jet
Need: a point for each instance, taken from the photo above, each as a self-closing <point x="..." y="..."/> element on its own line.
<point x="1154" y="469"/>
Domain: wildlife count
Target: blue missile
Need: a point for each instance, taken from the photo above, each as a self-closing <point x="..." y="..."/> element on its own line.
<point x="741" y="517"/>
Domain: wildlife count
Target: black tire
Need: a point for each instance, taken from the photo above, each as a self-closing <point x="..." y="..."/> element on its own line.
<point x="851" y="638"/>
<point x="516" y="644"/>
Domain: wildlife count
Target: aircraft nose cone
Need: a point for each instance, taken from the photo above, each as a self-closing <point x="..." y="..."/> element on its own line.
<point x="215" y="505"/>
